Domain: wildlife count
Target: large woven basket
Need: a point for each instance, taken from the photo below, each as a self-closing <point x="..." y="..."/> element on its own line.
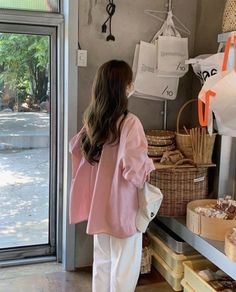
<point x="229" y="17"/>
<point x="179" y="187"/>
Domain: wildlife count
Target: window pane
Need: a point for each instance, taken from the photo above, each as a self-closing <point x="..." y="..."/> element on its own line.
<point x="36" y="5"/>
<point x="24" y="139"/>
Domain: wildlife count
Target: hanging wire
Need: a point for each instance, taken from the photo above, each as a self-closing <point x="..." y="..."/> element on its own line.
<point x="110" y="9"/>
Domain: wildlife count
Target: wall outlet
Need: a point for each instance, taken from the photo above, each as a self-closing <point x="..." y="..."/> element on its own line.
<point x="82" y="57"/>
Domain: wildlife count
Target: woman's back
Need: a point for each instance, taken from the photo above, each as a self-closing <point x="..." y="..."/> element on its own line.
<point x="108" y="189"/>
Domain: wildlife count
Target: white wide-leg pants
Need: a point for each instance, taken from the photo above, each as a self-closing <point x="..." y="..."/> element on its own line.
<point x="116" y="263"/>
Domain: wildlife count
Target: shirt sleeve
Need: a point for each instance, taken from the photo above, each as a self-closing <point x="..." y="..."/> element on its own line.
<point x="74" y="149"/>
<point x="136" y="163"/>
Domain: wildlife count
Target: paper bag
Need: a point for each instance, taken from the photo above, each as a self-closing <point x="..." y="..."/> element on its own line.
<point x="147" y="83"/>
<point x="223" y="101"/>
<point x="172" y="52"/>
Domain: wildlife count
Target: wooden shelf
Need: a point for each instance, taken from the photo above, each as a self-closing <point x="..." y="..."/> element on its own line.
<point x="211" y="249"/>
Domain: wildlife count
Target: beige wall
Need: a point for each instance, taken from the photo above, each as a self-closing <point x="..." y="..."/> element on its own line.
<point x="208" y="26"/>
<point x="130" y="25"/>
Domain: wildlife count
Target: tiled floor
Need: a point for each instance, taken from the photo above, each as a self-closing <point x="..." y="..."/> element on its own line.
<point x="50" y="278"/>
<point x="26" y="270"/>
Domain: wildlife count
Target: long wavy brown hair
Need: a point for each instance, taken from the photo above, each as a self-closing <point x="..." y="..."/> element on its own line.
<point x="108" y="105"/>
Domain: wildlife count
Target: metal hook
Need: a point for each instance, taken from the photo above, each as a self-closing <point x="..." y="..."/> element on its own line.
<point x="169" y="5"/>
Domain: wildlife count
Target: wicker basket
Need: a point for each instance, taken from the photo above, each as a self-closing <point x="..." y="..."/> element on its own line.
<point x="184" y="141"/>
<point x="159" y="150"/>
<point x="146" y="262"/>
<point x="179" y="187"/>
<point x="160" y="137"/>
<point x="229" y="17"/>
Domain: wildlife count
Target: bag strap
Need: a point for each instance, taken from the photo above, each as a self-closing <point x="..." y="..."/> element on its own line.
<point x="204" y="118"/>
<point x="159" y="33"/>
<point x="226" y="54"/>
<point x="166" y="27"/>
<point x="171" y="25"/>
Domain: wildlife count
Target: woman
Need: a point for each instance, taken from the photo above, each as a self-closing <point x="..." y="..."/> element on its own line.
<point x="109" y="165"/>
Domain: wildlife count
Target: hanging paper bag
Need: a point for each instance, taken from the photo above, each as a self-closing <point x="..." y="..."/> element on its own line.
<point x="205" y="66"/>
<point x="172" y="52"/>
<point x="223" y="104"/>
<point x="147" y="83"/>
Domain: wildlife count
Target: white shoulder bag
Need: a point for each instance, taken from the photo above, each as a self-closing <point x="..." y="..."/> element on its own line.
<point x="150" y="198"/>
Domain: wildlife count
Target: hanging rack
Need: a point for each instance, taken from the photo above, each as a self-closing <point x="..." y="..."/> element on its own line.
<point x="170" y="5"/>
<point x="180" y="27"/>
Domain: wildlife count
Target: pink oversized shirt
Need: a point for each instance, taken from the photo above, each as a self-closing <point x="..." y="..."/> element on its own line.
<point x="105" y="194"/>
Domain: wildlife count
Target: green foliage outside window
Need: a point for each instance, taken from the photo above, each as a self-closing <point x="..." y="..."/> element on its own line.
<point x="24" y="65"/>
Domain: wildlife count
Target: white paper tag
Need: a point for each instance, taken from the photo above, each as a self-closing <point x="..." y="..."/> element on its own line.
<point x="199" y="179"/>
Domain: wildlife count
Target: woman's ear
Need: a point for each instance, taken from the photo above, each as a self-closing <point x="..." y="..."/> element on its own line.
<point x="130" y="90"/>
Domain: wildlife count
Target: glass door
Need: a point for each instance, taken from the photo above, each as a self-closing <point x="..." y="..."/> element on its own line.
<point x="28" y="129"/>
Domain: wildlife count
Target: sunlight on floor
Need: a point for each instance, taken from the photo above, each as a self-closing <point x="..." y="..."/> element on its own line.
<point x="24" y="197"/>
<point x="11" y="178"/>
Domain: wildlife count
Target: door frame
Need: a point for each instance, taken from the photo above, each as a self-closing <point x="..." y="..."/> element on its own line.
<point x="50" y="248"/>
<point x="67" y="27"/>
